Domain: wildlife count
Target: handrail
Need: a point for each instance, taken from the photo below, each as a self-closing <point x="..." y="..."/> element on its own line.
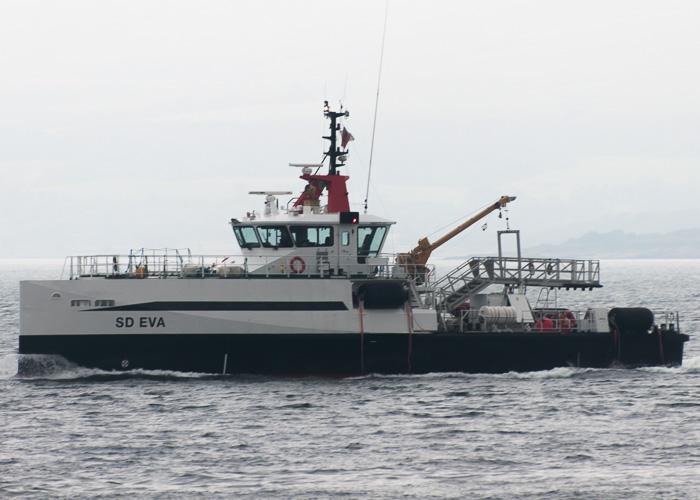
<point x="480" y="271"/>
<point x="477" y="273"/>
<point x="556" y="319"/>
<point x="538" y="271"/>
<point x="177" y="264"/>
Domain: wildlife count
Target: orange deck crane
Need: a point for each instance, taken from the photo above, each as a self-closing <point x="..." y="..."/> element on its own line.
<point x="415" y="261"/>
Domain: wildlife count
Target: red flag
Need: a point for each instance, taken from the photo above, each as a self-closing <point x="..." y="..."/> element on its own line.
<point x="345" y="137"/>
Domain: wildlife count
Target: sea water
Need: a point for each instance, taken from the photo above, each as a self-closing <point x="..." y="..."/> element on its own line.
<point x="558" y="434"/>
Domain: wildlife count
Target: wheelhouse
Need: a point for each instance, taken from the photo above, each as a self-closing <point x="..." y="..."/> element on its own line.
<point x="325" y="242"/>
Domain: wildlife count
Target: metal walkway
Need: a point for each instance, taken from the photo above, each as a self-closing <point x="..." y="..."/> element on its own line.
<point x="474" y="275"/>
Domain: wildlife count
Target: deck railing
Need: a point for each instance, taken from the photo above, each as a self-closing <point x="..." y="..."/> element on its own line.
<point x="176" y="263"/>
<point x="540" y="271"/>
<point x="181" y="263"/>
<point x="552" y="320"/>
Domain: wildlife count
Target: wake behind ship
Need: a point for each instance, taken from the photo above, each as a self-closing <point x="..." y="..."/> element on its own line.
<point x="311" y="293"/>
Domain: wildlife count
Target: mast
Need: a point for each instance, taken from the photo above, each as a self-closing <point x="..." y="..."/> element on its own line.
<point x="334" y="153"/>
<point x="333" y="183"/>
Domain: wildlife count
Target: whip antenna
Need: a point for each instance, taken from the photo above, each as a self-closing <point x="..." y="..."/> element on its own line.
<point x="376" y="105"/>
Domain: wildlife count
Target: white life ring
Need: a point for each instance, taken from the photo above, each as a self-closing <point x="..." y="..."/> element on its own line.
<point x="297" y="265"/>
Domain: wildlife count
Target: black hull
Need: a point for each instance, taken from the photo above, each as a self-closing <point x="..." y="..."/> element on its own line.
<point x="353" y="354"/>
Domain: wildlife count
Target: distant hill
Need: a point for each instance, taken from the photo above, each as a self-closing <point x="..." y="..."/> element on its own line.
<point x="683" y="244"/>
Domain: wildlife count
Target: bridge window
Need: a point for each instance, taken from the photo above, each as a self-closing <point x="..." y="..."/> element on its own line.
<point x="274" y="236"/>
<point x="246" y="236"/>
<point x="104" y="303"/>
<point x="312" y="236"/>
<point x="80" y="303"/>
<point x="369" y="240"/>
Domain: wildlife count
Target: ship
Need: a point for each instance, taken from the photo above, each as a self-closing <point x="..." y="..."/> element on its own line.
<point x="310" y="292"/>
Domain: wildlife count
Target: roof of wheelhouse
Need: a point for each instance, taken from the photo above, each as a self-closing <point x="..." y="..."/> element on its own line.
<point x="306" y="219"/>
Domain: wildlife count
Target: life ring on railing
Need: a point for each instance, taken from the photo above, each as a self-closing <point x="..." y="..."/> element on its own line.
<point x="567" y="322"/>
<point x="297" y="265"/>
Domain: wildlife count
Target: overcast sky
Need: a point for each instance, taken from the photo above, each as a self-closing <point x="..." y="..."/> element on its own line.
<point x="144" y="124"/>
